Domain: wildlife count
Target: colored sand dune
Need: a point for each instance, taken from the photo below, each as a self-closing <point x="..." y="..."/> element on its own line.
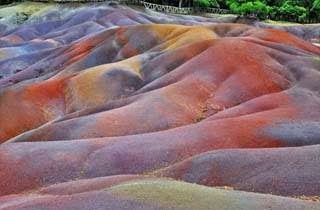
<point x="109" y="108"/>
<point x="153" y="194"/>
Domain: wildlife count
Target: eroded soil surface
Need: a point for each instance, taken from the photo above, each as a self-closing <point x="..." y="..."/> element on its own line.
<point x="110" y="108"/>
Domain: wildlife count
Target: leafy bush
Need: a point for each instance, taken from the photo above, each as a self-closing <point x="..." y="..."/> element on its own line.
<point x="256" y="7"/>
<point x="290" y="10"/>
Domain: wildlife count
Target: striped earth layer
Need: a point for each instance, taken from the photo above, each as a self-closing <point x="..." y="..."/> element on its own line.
<point x="110" y="108"/>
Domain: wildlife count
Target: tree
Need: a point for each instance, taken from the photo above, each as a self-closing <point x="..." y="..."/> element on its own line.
<point x="315" y="5"/>
<point x="247" y="7"/>
<point x="314" y="11"/>
<point x="207" y="3"/>
<point x="181" y="2"/>
<point x="293" y="12"/>
<point x="290" y="10"/>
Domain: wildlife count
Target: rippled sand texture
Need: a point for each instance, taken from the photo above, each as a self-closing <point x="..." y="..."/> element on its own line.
<point x="109" y="108"/>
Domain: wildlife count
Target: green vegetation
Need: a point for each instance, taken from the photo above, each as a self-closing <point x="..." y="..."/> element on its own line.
<point x="249" y="7"/>
<point x="207" y="3"/>
<point x="301" y="11"/>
